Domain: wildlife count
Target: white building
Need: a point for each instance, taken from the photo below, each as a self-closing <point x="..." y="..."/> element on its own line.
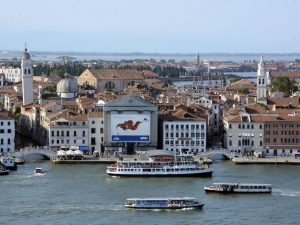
<point x="7" y="131"/>
<point x="68" y="131"/>
<point x="182" y="132"/>
<point x="11" y="74"/>
<point x="27" y="80"/>
<point x="96" y="131"/>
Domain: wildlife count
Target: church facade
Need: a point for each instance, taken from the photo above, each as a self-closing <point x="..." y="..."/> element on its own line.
<point x="130" y="124"/>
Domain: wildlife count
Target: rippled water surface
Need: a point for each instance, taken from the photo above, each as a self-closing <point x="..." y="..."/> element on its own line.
<point x="84" y="194"/>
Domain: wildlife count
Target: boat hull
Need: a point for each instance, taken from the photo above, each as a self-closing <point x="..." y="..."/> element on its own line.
<point x="175" y="207"/>
<point x="202" y="174"/>
<point x="207" y="190"/>
<point x="5" y="172"/>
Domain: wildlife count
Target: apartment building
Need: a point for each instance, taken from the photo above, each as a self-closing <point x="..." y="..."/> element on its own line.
<point x="182" y="132"/>
<point x="7" y="131"/>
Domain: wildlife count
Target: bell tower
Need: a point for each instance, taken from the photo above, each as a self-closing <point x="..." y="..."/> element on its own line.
<point x="27" y="78"/>
<point x="261" y="79"/>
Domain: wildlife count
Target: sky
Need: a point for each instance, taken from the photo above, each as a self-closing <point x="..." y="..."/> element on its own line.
<point x="156" y="26"/>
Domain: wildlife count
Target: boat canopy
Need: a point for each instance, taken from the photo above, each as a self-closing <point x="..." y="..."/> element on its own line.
<point x="159" y="153"/>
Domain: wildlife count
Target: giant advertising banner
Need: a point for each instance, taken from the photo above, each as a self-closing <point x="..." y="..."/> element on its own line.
<point x="130" y="128"/>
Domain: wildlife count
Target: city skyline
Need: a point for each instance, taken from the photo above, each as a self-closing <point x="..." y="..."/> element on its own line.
<point x="160" y="27"/>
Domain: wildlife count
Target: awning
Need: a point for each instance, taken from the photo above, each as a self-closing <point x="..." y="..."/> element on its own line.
<point x="84" y="148"/>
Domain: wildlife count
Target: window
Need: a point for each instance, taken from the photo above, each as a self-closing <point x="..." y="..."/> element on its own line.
<point x="283" y="132"/>
<point x="93" y="130"/>
<point x="291" y="125"/>
<point x="230" y="143"/>
<point x="275" y="132"/>
<point x="267" y="132"/>
<point x="57" y="133"/>
<point x="9" y="131"/>
<point x="75" y="133"/>
<point x="239" y="126"/>
<point x="62" y="133"/>
<point x="83" y="133"/>
<point x="291" y="132"/>
<point x="202" y="126"/>
<point x="267" y="140"/>
<point x="248" y="126"/>
<point x="93" y="121"/>
<point x="275" y="125"/>
<point x="167" y="127"/>
<point x="230" y="126"/>
<point x="57" y="141"/>
<point x="274" y="140"/>
<point x="260" y="143"/>
<point x="93" y="141"/>
<point x="252" y="143"/>
<point x="260" y="126"/>
<point x="291" y="140"/>
<point x="67" y="141"/>
<point x="75" y="141"/>
<point x="187" y="127"/>
<point x="101" y="130"/>
<point x="252" y="126"/>
<point x="83" y="141"/>
<point x="52" y="133"/>
<point x="62" y="141"/>
<point x="239" y="143"/>
<point x="83" y="123"/>
<point x="52" y="141"/>
<point x="283" y="125"/>
<point x="186" y="134"/>
<point x="8" y="123"/>
<point x="67" y="133"/>
<point x="167" y="134"/>
<point x="172" y="126"/>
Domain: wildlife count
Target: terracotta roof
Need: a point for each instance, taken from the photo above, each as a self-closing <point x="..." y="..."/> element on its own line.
<point x="120" y="74"/>
<point x="96" y="114"/>
<point x="293" y="74"/>
<point x="180" y="115"/>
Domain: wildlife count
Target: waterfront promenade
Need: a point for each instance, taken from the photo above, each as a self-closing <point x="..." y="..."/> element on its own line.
<point x="90" y="159"/>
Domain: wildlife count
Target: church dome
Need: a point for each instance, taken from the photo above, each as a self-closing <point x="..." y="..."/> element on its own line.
<point x="25" y="55"/>
<point x="67" y="87"/>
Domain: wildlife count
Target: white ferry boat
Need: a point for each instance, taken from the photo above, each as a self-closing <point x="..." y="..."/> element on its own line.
<point x="239" y="188"/>
<point x="9" y="162"/>
<point x="163" y="203"/>
<point x="160" y="163"/>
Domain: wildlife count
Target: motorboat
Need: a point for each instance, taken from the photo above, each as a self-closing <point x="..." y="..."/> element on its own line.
<point x="3" y="170"/>
<point x="9" y="162"/>
<point x="38" y="170"/>
<point x="163" y="203"/>
<point x="160" y="163"/>
<point x="242" y="188"/>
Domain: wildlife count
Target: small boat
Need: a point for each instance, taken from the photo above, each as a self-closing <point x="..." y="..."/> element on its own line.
<point x="160" y="163"/>
<point x="239" y="188"/>
<point x="163" y="203"/>
<point x="38" y="170"/>
<point x="3" y="170"/>
<point x="9" y="162"/>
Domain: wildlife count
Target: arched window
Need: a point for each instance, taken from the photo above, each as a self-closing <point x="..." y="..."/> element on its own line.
<point x="110" y="85"/>
<point x="230" y="143"/>
<point x="28" y="71"/>
<point x="25" y="71"/>
<point x="239" y="142"/>
<point x="260" y="143"/>
<point x="252" y="143"/>
<point x="263" y="81"/>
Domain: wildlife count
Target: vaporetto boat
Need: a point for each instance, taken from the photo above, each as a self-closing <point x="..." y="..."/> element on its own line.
<point x="163" y="203"/>
<point x="160" y="163"/>
<point x="242" y="188"/>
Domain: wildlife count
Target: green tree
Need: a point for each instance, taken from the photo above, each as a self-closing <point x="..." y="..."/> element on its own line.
<point x="297" y="60"/>
<point x="183" y="62"/>
<point x="58" y="72"/>
<point x="162" y="61"/>
<point x="51" y="89"/>
<point x="285" y="85"/>
<point x="168" y="82"/>
<point x="244" y="91"/>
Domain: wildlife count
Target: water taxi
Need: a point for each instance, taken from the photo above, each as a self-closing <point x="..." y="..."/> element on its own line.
<point x="38" y="170"/>
<point x="239" y="188"/>
<point x="163" y="203"/>
<point x="160" y="163"/>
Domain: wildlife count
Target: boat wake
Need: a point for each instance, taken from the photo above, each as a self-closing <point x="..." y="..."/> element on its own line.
<point x="285" y="192"/>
